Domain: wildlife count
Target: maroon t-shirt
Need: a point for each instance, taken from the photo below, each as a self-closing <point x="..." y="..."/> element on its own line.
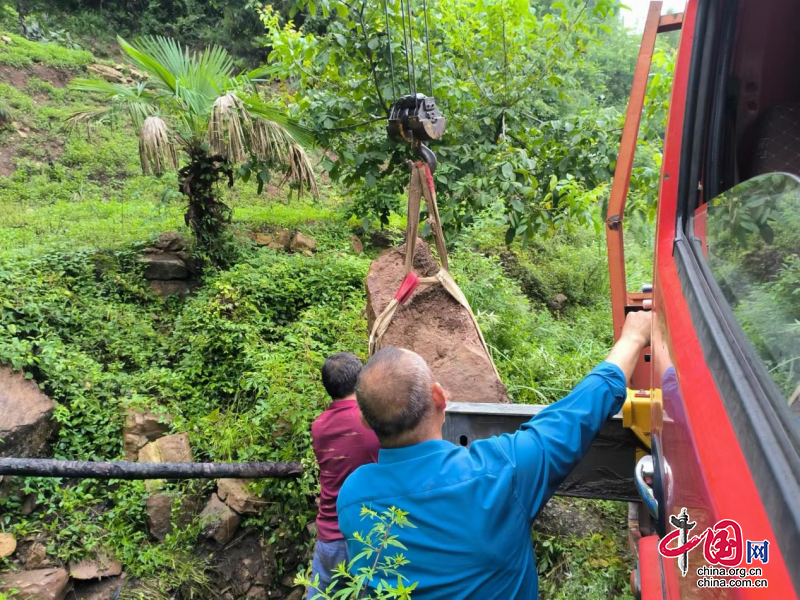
<point x="341" y="444"/>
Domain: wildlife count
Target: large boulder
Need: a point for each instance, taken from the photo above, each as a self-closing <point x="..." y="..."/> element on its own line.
<point x="110" y="74"/>
<point x="246" y="568"/>
<point x="234" y="493"/>
<point x="435" y="326"/>
<point x="171" y="241"/>
<point x="159" y="518"/>
<point x="26" y="422"/>
<point x="40" y="584"/>
<point x="303" y="243"/>
<point x="170" y="448"/>
<point x="219" y="519"/>
<point x="95" y="568"/>
<point x="140" y="428"/>
<point x="163" y="267"/>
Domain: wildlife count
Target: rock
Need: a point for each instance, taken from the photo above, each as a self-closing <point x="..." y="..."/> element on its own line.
<point x="138" y="74"/>
<point x="27" y="413"/>
<point x="302" y="243"/>
<point x="356" y="245"/>
<point x="140" y="428"/>
<point x="435" y="326"/>
<point x="234" y="494"/>
<point x="247" y="567"/>
<point x="105" y="589"/>
<point x="108" y="73"/>
<point x="159" y="516"/>
<point x="263" y="239"/>
<point x="171" y="241"/>
<point x="28" y="505"/>
<point x="102" y="566"/>
<point x="159" y="519"/>
<point x="35" y="556"/>
<point x="221" y="521"/>
<point x="296" y="593"/>
<point x="41" y="584"/>
<point x="568" y="517"/>
<point x="381" y="238"/>
<point x="280" y="240"/>
<point x="557" y="303"/>
<point x="170" y="448"/>
<point x="181" y="287"/>
<point x="6" y="39"/>
<point x="164" y="266"/>
<point x="7" y="544"/>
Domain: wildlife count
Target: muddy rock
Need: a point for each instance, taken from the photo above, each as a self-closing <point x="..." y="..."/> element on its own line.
<point x="35" y="556"/>
<point x="171" y="241"/>
<point x="104" y="589"/>
<point x="435" y="326"/>
<point x="356" y="245"/>
<point x="297" y="593"/>
<point x="159" y="516"/>
<point x="110" y="74"/>
<point x="140" y="428"/>
<point x="8" y="544"/>
<point x="181" y="287"/>
<point x="159" y="519"/>
<point x="170" y="448"/>
<point x="234" y="494"/>
<point x="221" y="521"/>
<point x="163" y="267"/>
<point x="95" y="568"/>
<point x="26" y="422"/>
<point x="557" y="303"/>
<point x="247" y="567"/>
<point x="302" y="243"/>
<point x="41" y="584"/>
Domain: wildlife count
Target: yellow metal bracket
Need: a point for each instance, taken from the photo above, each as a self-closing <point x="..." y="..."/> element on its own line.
<point x="636" y="414"/>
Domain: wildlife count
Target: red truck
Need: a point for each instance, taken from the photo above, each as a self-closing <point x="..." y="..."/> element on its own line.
<point x="718" y="408"/>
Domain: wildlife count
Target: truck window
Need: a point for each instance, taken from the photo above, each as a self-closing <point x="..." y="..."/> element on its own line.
<point x="751" y="236"/>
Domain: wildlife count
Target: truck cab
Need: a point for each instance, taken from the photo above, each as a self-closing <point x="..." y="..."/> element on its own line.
<point x="721" y="381"/>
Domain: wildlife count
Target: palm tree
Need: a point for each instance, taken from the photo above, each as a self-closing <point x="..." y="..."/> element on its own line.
<point x="193" y="103"/>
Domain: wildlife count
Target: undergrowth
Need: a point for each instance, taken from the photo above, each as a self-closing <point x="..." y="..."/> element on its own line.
<point x="237" y="363"/>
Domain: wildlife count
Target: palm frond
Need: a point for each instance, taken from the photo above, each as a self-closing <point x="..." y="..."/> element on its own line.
<point x="87" y="118"/>
<point x="230" y="128"/>
<point x="258" y="108"/>
<point x="136" y="100"/>
<point x="160" y="68"/>
<point x="300" y="171"/>
<point x="156" y="150"/>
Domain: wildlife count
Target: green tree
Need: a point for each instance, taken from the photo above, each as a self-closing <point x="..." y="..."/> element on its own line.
<point x="193" y="103"/>
<point x="504" y="72"/>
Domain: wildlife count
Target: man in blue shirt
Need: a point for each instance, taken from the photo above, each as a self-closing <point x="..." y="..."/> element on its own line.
<point x="472" y="508"/>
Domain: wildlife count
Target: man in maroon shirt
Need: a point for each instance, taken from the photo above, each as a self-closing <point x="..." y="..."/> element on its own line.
<point x="341" y="444"/>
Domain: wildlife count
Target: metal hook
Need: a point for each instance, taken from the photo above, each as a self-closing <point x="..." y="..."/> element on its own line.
<point x="427" y="155"/>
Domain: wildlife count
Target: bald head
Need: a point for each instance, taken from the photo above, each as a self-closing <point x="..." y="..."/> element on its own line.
<point x="394" y="393"/>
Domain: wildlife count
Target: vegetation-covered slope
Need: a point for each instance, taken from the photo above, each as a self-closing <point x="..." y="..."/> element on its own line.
<point x="236" y="364"/>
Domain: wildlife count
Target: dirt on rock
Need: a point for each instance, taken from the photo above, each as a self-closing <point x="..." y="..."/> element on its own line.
<point x="434" y="325"/>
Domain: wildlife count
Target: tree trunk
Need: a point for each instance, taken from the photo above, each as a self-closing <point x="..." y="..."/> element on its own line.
<point x="206" y="215"/>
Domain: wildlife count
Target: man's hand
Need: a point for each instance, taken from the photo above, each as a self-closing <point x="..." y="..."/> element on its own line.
<point x="635" y="337"/>
<point x="638" y="327"/>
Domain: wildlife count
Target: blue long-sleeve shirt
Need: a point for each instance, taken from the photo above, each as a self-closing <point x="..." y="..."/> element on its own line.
<point x="473" y="508"/>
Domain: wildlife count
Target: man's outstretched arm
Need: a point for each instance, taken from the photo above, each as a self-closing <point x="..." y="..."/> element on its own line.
<point x="546" y="449"/>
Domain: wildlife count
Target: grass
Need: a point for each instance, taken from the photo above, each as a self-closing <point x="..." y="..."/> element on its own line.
<point x="22" y="53"/>
<point x="243" y="381"/>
